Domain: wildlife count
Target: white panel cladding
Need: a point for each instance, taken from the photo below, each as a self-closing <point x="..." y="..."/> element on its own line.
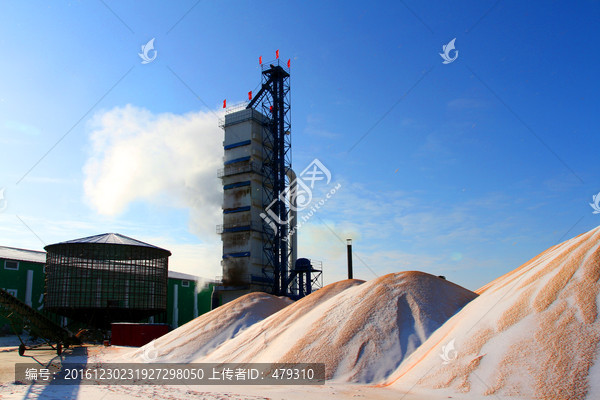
<point x="236" y="197"/>
<point x="240" y="127"/>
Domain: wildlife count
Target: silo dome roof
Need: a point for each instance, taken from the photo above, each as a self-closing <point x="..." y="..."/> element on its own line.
<point x="111" y="238"/>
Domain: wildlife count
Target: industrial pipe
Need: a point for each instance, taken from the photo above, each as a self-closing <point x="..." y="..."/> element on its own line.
<point x="293" y="217"/>
<point x="349" y="245"/>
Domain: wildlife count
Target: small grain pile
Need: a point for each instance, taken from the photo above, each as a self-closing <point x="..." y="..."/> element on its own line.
<point x="205" y="333"/>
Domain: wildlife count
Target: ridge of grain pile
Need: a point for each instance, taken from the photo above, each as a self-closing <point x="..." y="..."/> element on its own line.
<point x="361" y="333"/>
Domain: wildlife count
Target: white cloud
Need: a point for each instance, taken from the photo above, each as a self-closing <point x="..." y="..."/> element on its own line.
<point x="201" y="260"/>
<point x="165" y="159"/>
<point x="169" y="159"/>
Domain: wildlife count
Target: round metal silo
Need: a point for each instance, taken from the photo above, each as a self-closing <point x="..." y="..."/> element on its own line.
<point x="106" y="278"/>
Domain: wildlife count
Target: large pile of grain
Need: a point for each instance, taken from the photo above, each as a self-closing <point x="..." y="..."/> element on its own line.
<point x="533" y="332"/>
<point x="361" y="333"/>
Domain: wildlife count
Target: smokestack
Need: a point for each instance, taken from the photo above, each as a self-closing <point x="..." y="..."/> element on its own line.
<point x="349" y="243"/>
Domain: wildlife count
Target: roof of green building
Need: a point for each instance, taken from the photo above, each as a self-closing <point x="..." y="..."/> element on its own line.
<point x="182" y="276"/>
<point x="13" y="253"/>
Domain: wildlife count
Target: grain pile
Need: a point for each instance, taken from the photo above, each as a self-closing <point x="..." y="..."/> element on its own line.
<point x="361" y="333"/>
<point x="531" y="333"/>
<point x="208" y="331"/>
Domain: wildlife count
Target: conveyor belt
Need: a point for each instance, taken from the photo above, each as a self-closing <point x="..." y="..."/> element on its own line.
<point x="34" y="321"/>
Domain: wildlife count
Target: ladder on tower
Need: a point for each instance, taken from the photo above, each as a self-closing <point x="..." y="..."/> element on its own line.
<point x="38" y="324"/>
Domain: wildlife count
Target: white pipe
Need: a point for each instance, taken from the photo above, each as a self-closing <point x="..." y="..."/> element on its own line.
<point x="294" y="217"/>
<point x="175" y="307"/>
<point x="29" y="287"/>
<point x="196" y="283"/>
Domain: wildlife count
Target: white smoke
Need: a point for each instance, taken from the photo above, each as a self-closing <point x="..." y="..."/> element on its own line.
<point x="165" y="158"/>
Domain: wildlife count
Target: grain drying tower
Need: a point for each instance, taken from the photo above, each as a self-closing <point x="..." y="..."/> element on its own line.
<point x="259" y="239"/>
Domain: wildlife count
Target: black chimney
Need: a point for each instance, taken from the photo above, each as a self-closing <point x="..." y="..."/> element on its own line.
<point x="349" y="243"/>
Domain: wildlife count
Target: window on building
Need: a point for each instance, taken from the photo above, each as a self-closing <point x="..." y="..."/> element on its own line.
<point x="185" y="283"/>
<point x="13" y="265"/>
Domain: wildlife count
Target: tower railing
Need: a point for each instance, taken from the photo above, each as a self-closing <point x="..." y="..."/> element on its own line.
<point x="240" y="227"/>
<point x="276" y="62"/>
<point x="239" y="169"/>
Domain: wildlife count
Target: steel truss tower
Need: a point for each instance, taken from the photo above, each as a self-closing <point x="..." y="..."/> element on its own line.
<point x="273" y="100"/>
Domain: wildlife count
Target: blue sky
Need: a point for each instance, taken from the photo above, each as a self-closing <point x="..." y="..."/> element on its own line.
<point x="465" y="169"/>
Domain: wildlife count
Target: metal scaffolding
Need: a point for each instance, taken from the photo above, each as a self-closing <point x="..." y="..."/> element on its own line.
<point x="273" y="100"/>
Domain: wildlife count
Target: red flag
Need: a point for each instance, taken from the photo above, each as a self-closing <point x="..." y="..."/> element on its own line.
<point x="277" y="54"/>
<point x="250" y="95"/>
<point x="225" y="103"/>
<point x="289" y="60"/>
<point x="260" y="60"/>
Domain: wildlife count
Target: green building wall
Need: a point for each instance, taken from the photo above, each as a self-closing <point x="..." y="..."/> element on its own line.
<point x="181" y="292"/>
<point x="16" y="280"/>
